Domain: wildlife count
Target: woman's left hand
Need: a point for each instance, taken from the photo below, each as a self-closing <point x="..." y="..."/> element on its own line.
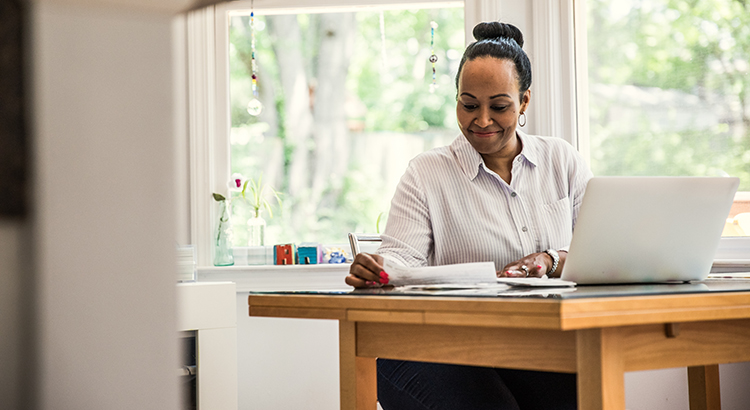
<point x="535" y="265"/>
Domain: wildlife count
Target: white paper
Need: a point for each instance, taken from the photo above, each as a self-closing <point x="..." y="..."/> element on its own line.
<point x="536" y="282"/>
<point x="543" y="292"/>
<point x="458" y="286"/>
<point x="463" y="273"/>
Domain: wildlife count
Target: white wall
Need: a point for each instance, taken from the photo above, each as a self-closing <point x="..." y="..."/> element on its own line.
<point x="286" y="363"/>
<point x="88" y="280"/>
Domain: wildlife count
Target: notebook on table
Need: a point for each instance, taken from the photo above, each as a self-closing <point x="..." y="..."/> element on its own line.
<point x="648" y="229"/>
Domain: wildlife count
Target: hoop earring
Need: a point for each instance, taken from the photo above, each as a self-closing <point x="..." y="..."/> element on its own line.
<point x="523" y="114"/>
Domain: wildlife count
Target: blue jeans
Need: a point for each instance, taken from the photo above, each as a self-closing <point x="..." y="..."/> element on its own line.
<point x="405" y="385"/>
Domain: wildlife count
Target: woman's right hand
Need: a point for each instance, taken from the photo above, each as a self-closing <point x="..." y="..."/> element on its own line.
<point x="367" y="271"/>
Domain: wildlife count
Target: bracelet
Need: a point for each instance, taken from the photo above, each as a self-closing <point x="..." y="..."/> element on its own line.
<point x="555" y="260"/>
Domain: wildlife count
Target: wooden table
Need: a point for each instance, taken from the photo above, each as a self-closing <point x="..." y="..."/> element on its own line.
<point x="597" y="332"/>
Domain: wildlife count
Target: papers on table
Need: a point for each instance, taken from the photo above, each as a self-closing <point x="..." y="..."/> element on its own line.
<point x="459" y="274"/>
<point x="730" y="275"/>
<point x="478" y="276"/>
<point x="542" y="282"/>
<point x="497" y="289"/>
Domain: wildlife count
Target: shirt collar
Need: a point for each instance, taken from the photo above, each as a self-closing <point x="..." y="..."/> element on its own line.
<point x="470" y="160"/>
<point x="530" y="149"/>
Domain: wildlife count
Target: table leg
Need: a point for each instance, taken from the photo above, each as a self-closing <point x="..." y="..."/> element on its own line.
<point x="357" y="375"/>
<point x="703" y="387"/>
<point x="601" y="375"/>
<point x="367" y="383"/>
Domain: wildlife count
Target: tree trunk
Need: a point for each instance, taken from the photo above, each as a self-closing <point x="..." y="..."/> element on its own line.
<point x="287" y="45"/>
<point x="332" y="145"/>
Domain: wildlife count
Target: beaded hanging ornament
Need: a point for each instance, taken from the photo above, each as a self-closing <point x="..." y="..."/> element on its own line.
<point x="254" y="107"/>
<point x="433" y="57"/>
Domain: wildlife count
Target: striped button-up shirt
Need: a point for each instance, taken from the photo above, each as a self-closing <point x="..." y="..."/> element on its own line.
<point x="450" y="208"/>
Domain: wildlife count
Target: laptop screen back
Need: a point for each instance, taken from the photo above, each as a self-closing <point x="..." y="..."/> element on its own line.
<point x="648" y="229"/>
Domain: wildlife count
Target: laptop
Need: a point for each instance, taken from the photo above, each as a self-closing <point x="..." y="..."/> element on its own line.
<point x="648" y="229"/>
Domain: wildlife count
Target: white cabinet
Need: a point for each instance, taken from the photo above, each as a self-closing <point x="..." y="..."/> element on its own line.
<point x="210" y="309"/>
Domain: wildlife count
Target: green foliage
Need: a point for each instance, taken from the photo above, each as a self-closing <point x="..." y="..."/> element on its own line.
<point x="392" y="91"/>
<point x="256" y="197"/>
<point x="697" y="48"/>
<point x="392" y="75"/>
<point x="377" y="222"/>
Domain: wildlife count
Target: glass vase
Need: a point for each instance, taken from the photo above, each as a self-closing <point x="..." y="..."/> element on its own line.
<point x="223" y="237"/>
<point x="256" y="231"/>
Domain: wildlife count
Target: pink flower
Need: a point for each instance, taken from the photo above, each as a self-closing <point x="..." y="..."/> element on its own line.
<point x="236" y="182"/>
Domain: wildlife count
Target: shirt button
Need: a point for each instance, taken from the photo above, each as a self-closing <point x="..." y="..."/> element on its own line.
<point x="513" y="194"/>
<point x="524" y="229"/>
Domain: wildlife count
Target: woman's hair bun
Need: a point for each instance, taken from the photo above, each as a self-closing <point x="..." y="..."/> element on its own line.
<point x="495" y="30"/>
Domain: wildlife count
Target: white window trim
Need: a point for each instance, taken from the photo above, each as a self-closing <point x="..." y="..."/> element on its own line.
<point x="553" y="64"/>
<point x="265" y="7"/>
<point x="578" y="38"/>
<point x="202" y="128"/>
<point x="476" y="11"/>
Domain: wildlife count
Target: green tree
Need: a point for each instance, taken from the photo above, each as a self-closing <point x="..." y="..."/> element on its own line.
<point x="672" y="57"/>
<point x="328" y="82"/>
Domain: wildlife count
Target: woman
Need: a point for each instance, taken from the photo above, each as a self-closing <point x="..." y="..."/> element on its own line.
<point x="495" y="194"/>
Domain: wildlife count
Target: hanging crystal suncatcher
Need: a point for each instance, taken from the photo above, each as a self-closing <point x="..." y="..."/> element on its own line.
<point x="433" y="57"/>
<point x="254" y="107"/>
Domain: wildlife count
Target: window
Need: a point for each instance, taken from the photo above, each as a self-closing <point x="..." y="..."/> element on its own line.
<point x="210" y="113"/>
<point x="669" y="91"/>
<point x="641" y="51"/>
<point x="347" y="100"/>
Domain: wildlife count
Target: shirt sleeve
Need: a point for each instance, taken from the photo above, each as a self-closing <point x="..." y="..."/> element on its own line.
<point x="408" y="236"/>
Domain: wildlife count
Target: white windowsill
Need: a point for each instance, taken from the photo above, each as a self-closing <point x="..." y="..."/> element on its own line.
<point x="730" y="265"/>
<point x="733" y="255"/>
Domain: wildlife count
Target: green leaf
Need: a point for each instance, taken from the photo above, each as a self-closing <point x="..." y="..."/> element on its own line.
<point x="244" y="187"/>
<point x="268" y="208"/>
<point x="219" y="197"/>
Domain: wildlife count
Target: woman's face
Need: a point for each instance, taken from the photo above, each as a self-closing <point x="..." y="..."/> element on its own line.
<point x="488" y="105"/>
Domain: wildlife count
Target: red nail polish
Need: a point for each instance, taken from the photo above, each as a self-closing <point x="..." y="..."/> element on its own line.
<point x="370" y="283"/>
<point x="539" y="266"/>
<point x="384" y="281"/>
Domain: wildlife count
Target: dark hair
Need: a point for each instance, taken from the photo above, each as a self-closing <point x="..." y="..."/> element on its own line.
<point x="501" y="41"/>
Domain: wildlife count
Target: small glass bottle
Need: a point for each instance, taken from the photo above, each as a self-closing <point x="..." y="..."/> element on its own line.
<point x="223" y="237"/>
<point x="256" y="231"/>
